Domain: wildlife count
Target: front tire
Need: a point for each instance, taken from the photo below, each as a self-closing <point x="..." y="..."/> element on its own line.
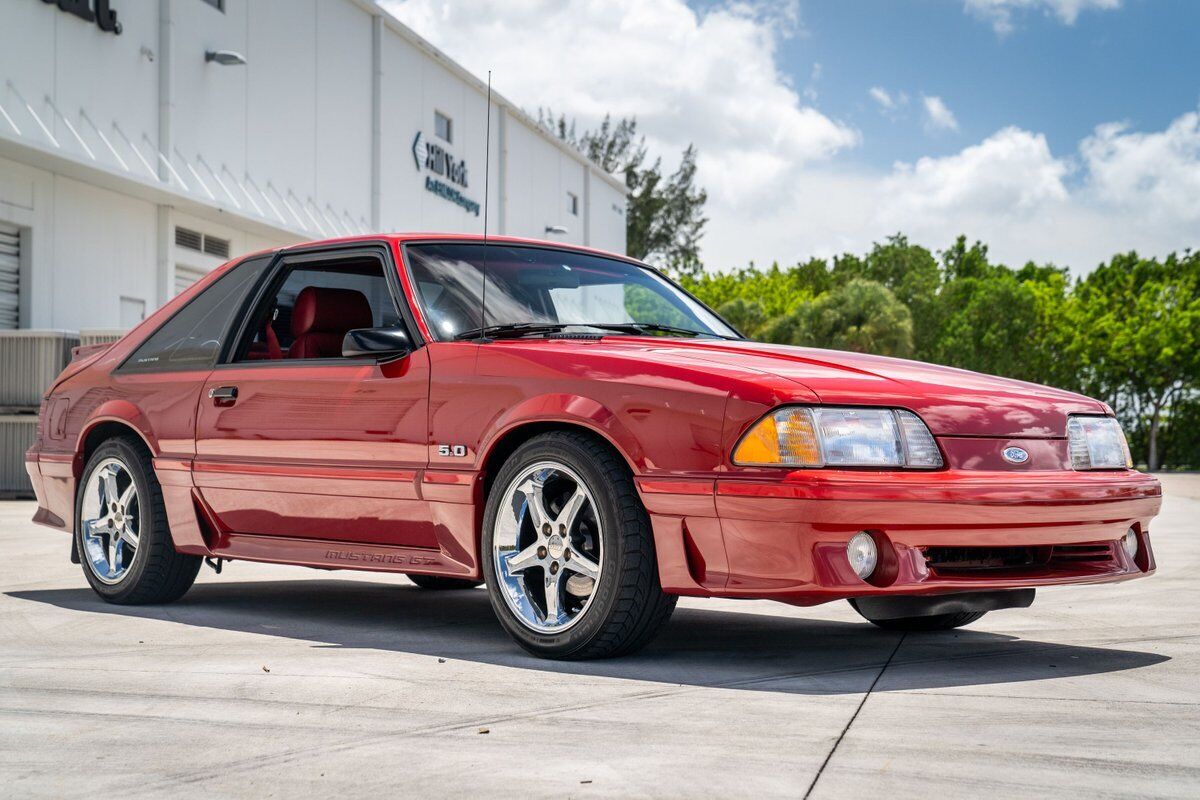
<point x="121" y="531"/>
<point x="568" y="554"/>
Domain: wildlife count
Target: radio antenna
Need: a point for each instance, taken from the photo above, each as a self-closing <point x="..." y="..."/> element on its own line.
<point x="487" y="174"/>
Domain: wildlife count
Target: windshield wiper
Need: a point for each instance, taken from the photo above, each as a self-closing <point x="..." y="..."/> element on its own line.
<point x="642" y="327"/>
<point x="515" y="330"/>
<point x="511" y="330"/>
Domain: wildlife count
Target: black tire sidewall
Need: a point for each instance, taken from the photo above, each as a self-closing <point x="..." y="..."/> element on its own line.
<point x="137" y="464"/>
<point x="576" y="638"/>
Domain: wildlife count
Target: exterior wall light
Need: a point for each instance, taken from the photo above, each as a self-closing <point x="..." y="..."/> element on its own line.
<point x="226" y="58"/>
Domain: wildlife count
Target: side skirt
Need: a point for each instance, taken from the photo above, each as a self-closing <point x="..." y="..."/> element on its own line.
<point x="325" y="554"/>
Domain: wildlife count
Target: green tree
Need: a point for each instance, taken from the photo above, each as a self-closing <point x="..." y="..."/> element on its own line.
<point x="747" y="316"/>
<point x="909" y="271"/>
<point x="1137" y="326"/>
<point x="1002" y="325"/>
<point x="862" y="316"/>
<point x="664" y="214"/>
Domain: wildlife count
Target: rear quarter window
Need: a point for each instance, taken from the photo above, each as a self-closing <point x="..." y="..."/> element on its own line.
<point x="193" y="337"/>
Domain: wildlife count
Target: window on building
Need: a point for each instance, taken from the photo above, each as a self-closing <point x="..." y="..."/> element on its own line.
<point x="573" y="203"/>
<point x="192" y="338"/>
<point x="443" y="126"/>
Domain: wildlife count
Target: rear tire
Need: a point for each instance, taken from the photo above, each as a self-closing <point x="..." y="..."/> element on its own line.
<point x="128" y="555"/>
<point x="585" y="541"/>
<point x="933" y="622"/>
<point x="442" y="584"/>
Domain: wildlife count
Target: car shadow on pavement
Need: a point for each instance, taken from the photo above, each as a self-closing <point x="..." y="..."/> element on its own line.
<point x="718" y="648"/>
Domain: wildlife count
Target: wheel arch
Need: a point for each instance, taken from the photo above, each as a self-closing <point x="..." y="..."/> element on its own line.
<point x="550" y="412"/>
<point x="114" y="418"/>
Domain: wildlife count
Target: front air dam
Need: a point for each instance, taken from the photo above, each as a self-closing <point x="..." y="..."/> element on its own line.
<point x="899" y="607"/>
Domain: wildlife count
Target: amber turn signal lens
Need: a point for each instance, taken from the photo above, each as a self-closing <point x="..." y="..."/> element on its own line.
<point x="786" y="437"/>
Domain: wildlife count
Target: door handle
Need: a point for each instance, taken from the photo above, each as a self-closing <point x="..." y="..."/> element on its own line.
<point x="223" y="395"/>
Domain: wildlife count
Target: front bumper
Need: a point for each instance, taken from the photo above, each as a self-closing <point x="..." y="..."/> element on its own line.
<point x="784" y="537"/>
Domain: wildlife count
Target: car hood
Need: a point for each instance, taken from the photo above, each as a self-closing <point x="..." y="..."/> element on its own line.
<point x="953" y="402"/>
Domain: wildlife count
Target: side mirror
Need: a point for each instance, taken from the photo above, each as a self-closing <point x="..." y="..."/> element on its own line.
<point x="376" y="343"/>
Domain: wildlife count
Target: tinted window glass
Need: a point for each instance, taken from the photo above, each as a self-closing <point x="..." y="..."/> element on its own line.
<point x="192" y="339"/>
<point x="314" y="307"/>
<point x="541" y="285"/>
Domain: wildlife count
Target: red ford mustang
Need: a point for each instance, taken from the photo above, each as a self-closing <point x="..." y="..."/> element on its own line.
<point x="577" y="432"/>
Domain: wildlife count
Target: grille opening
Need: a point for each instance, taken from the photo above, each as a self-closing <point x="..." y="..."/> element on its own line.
<point x="976" y="560"/>
<point x="1096" y="551"/>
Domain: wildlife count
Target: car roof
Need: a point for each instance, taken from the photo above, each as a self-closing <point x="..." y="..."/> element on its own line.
<point x="407" y="238"/>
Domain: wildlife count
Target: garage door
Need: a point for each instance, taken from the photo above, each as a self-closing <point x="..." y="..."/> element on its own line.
<point x="186" y="276"/>
<point x="10" y="276"/>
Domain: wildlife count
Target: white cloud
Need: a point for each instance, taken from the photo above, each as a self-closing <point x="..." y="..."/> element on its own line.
<point x="1121" y="190"/>
<point x="1010" y="172"/>
<point x="810" y="91"/>
<point x="938" y="116"/>
<point x="769" y="159"/>
<point x="1155" y="176"/>
<point x="883" y="97"/>
<point x="1000" y="13"/>
<point x="709" y="78"/>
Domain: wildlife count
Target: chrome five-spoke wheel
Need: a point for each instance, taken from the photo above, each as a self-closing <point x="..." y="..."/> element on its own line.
<point x="568" y="551"/>
<point x="547" y="547"/>
<point x="109" y="520"/>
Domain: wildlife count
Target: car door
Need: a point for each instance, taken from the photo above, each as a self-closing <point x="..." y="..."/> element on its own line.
<point x="292" y="439"/>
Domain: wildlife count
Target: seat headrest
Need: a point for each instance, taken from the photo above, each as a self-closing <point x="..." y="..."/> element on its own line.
<point x="322" y="310"/>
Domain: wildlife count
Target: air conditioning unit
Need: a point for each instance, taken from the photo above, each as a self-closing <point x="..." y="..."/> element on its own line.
<point x="17" y="432"/>
<point x="100" y="335"/>
<point x="32" y="360"/>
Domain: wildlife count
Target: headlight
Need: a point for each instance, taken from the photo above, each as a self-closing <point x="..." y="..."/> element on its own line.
<point x="1097" y="443"/>
<point x="800" y="436"/>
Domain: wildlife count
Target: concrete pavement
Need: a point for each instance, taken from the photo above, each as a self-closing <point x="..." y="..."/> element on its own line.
<point x="273" y="681"/>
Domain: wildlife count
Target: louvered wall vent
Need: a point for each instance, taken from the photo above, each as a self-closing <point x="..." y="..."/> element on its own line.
<point x="216" y="247"/>
<point x="202" y="242"/>
<point x="192" y="240"/>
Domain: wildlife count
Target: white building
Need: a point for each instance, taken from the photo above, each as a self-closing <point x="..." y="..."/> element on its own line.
<point x="140" y="150"/>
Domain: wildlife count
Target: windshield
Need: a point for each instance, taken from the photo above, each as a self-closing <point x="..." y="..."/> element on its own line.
<point x="543" y="286"/>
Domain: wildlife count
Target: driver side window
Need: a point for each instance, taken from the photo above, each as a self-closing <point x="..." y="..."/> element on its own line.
<point x="312" y="306"/>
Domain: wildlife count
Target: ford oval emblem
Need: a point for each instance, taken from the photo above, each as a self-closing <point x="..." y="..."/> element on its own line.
<point x="1015" y="455"/>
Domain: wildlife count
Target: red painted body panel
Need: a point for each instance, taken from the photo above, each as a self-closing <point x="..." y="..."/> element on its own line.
<point x="337" y="465"/>
<point x="327" y="452"/>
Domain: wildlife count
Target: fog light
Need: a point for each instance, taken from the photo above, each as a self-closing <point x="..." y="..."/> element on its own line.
<point x="1130" y="543"/>
<point x="862" y="553"/>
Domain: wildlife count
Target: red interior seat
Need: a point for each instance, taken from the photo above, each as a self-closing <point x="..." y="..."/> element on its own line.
<point x="322" y="317"/>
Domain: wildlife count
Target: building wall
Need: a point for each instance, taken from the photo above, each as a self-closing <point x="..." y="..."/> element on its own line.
<point x="279" y="150"/>
<point x="414" y="87"/>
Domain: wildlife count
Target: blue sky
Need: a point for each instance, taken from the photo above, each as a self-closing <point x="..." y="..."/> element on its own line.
<point x="1056" y="131"/>
<point x="1140" y="63"/>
